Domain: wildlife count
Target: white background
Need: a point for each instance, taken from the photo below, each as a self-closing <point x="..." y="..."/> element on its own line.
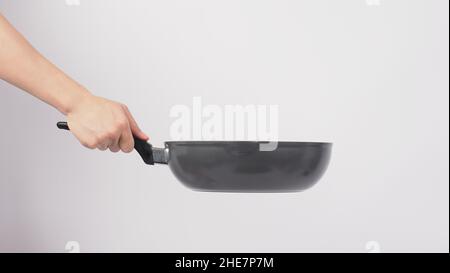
<point x="372" y="79"/>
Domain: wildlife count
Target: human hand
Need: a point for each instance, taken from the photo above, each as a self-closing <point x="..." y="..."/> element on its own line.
<point x="96" y="122"/>
<point x="101" y="123"/>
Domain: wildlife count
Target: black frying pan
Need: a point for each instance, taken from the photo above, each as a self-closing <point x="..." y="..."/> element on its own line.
<point x="239" y="166"/>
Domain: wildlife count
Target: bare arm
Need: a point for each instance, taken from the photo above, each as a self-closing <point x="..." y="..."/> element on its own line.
<point x="96" y="122"/>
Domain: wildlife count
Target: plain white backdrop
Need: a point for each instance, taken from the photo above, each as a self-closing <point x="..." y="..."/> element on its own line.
<point x="369" y="76"/>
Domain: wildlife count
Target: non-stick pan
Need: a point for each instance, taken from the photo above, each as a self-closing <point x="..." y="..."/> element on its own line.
<point x="239" y="166"/>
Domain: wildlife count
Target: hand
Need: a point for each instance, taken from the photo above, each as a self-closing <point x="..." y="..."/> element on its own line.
<point x="96" y="122"/>
<point x="100" y="123"/>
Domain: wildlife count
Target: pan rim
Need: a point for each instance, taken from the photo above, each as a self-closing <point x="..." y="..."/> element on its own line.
<point x="208" y="142"/>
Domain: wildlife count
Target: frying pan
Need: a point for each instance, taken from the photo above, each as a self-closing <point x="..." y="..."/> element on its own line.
<point x="239" y="166"/>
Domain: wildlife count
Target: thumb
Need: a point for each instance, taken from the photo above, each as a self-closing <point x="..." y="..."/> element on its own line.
<point x="137" y="132"/>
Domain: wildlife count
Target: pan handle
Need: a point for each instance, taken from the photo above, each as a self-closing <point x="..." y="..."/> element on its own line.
<point x="144" y="148"/>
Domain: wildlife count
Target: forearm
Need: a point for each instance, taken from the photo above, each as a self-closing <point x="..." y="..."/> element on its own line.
<point x="96" y="122"/>
<point x="24" y="67"/>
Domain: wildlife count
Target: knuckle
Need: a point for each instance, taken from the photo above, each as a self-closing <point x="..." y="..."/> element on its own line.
<point x="94" y="141"/>
<point x="119" y="107"/>
<point x="111" y="134"/>
<point x="89" y="144"/>
<point x="85" y="144"/>
<point x="122" y="124"/>
<point x="103" y="137"/>
<point x="123" y="120"/>
<point x="117" y="131"/>
<point x="127" y="149"/>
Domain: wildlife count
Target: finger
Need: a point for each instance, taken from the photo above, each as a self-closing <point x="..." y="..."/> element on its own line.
<point x="114" y="147"/>
<point x="104" y="146"/>
<point x="84" y="136"/>
<point x="126" y="142"/>
<point x="134" y="126"/>
<point x="88" y="142"/>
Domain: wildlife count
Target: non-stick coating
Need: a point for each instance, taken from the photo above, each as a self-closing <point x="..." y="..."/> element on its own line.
<point x="240" y="166"/>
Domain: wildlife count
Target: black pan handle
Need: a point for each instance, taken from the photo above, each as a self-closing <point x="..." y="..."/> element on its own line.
<point x="62" y="125"/>
<point x="144" y="149"/>
<point x="141" y="146"/>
